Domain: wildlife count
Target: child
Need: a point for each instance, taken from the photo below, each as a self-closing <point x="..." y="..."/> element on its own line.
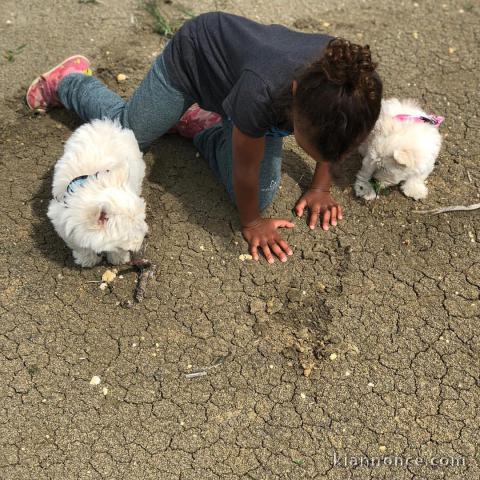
<point x="266" y="82"/>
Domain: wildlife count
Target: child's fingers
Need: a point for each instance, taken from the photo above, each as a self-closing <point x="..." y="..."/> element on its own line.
<point x="254" y="252"/>
<point x="333" y="219"/>
<point x="267" y="253"/>
<point x="278" y="252"/>
<point x="283" y="224"/>
<point x="326" y="219"/>
<point x="313" y="219"/>
<point x="300" y="207"/>
<point x="340" y="212"/>
<point x="284" y="245"/>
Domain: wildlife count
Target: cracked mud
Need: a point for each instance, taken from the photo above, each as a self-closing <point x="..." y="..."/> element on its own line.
<point x="365" y="343"/>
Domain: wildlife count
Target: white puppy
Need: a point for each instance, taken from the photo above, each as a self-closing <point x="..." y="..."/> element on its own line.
<point x="402" y="148"/>
<point x="96" y="205"/>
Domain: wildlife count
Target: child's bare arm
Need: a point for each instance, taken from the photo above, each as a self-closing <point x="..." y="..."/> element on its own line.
<point x="247" y="157"/>
<point x="258" y="232"/>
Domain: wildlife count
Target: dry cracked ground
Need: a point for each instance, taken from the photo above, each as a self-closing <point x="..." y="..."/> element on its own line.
<point x="364" y="345"/>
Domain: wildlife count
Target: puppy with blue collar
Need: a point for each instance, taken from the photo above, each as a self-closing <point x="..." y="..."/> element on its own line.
<point x="97" y="184"/>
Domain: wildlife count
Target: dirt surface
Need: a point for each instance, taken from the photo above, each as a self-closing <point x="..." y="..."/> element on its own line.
<point x="364" y="344"/>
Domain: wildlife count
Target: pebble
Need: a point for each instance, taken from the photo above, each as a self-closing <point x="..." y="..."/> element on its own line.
<point x="382" y="448"/>
<point x="95" y="380"/>
<point x="126" y="304"/>
<point x="109" y="275"/>
<point x="371" y="385"/>
<point x="103" y="286"/>
<point x="105" y="391"/>
<point x="451" y="50"/>
<point x="307" y="371"/>
<point x="121" y="77"/>
<point x="333" y="356"/>
<point x="415" y="35"/>
<point x="245" y="256"/>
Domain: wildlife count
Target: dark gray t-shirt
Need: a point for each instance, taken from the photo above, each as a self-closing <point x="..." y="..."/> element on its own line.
<point x="236" y="67"/>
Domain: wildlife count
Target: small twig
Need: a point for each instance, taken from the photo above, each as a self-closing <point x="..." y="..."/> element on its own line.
<point x="201" y="372"/>
<point x="469" y="176"/>
<point x="452" y="208"/>
<point x="196" y="374"/>
<point x="144" y="274"/>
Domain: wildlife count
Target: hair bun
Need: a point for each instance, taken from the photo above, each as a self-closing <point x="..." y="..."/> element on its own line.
<point x="348" y="64"/>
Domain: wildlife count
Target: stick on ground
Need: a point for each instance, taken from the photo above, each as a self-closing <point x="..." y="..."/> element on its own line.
<point x="452" y="208"/>
<point x="145" y="272"/>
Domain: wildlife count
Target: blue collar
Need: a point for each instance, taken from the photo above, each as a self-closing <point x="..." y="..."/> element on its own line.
<point x="76" y="183"/>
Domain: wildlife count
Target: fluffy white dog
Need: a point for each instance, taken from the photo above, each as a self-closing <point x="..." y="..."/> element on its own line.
<point x="96" y="206"/>
<point x="402" y="148"/>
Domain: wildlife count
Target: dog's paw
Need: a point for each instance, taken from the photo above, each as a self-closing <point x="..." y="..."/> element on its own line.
<point x="118" y="258"/>
<point x="414" y="189"/>
<point x="364" y="190"/>
<point x="86" y="258"/>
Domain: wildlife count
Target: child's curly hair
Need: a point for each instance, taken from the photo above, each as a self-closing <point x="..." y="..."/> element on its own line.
<point x="338" y="98"/>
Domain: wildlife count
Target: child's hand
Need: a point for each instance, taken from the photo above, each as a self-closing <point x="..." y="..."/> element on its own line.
<point x="320" y="203"/>
<point x="263" y="233"/>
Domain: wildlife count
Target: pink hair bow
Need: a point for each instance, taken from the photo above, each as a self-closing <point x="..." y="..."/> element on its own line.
<point x="435" y="120"/>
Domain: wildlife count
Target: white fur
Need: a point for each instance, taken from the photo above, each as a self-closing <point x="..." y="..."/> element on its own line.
<point x="398" y="152"/>
<point x="106" y="213"/>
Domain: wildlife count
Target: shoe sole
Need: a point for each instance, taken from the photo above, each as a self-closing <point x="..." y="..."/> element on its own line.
<point x="34" y="83"/>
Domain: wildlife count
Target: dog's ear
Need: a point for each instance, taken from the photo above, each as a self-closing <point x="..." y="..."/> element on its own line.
<point x="405" y="157"/>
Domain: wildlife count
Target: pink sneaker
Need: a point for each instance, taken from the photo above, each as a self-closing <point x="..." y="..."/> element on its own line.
<point x="42" y="93"/>
<point x="194" y="121"/>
